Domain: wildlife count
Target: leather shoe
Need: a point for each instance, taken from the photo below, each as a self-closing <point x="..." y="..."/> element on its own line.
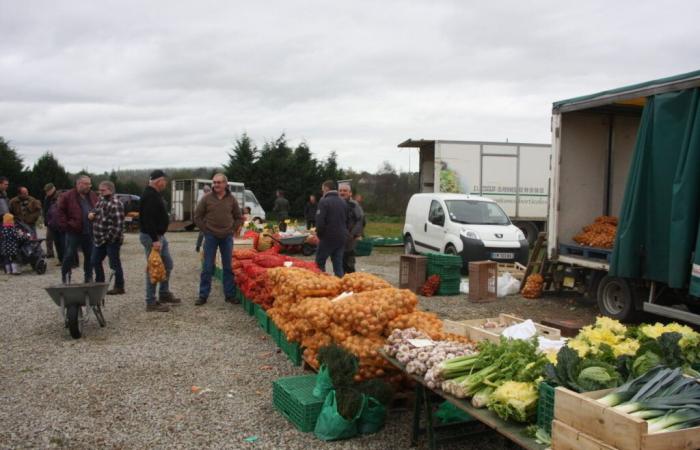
<point x="169" y="298"/>
<point x="116" y="291"/>
<point x="232" y="300"/>
<point x="200" y="301"/>
<point x="157" y="307"/>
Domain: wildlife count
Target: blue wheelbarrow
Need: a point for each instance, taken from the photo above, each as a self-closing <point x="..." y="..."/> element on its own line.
<point x="76" y="301"/>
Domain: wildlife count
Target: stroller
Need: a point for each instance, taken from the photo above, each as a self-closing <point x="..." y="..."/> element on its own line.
<point x="31" y="252"/>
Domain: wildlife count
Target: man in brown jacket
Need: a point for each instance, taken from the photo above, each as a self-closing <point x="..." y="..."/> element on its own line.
<point x="26" y="208"/>
<point x="218" y="216"/>
<point x="73" y="209"/>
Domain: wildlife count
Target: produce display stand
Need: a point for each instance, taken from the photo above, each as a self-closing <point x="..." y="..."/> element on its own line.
<point x="512" y="431"/>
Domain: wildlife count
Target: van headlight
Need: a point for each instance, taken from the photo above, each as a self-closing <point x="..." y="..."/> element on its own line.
<point x="520" y="235"/>
<point x="470" y="234"/>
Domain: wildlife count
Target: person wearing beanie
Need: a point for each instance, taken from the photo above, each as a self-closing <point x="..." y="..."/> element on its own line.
<point x="11" y="239"/>
<point x="153" y="223"/>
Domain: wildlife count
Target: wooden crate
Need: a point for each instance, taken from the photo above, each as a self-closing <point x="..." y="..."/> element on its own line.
<point x="412" y="272"/>
<point x="565" y="437"/>
<point x="613" y="428"/>
<point x="471" y="328"/>
<point x="516" y="269"/>
<point x="483" y="281"/>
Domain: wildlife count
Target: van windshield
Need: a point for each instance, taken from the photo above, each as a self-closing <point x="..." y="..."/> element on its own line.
<point x="250" y="198"/>
<point x="476" y="212"/>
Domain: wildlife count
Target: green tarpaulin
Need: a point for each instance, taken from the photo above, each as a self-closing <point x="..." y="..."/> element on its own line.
<point x="658" y="235"/>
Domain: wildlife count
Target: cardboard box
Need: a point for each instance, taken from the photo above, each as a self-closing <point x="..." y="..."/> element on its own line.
<point x="483" y="281"/>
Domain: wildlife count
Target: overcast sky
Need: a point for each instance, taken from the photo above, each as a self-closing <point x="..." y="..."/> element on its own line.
<point x="133" y="84"/>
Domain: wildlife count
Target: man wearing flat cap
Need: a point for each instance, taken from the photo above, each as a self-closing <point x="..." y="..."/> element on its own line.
<point x="153" y="221"/>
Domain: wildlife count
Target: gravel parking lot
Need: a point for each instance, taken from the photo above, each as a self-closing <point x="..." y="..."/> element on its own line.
<point x="129" y="385"/>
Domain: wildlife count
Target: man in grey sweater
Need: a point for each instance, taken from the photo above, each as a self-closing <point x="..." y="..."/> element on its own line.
<point x="218" y="216"/>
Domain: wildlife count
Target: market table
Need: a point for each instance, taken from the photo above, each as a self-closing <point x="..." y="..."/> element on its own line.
<point x="512" y="431"/>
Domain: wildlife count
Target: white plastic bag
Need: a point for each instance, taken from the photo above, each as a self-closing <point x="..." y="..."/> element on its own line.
<point x="464" y="286"/>
<point x="522" y="330"/>
<point x="507" y="285"/>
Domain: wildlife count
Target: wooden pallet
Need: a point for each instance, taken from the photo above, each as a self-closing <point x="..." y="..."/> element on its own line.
<point x="602" y="254"/>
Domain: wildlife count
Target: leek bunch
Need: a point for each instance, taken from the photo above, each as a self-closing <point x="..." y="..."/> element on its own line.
<point x="664" y="397"/>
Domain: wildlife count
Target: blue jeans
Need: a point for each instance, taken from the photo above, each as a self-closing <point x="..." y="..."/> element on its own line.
<point x="225" y="246"/>
<point x="111" y="250"/>
<point x="335" y="251"/>
<point x="164" y="288"/>
<point x="72" y="242"/>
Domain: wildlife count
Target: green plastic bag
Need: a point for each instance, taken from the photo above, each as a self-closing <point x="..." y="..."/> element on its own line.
<point x="449" y="413"/>
<point x="323" y="383"/>
<point x="330" y="425"/>
<point x="372" y="417"/>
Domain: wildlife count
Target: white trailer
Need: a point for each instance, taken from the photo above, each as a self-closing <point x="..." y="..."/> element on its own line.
<point x="186" y="194"/>
<point x="515" y="175"/>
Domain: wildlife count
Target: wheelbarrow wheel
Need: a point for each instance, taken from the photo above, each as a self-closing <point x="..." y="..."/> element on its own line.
<point x="308" y="249"/>
<point x="75" y="324"/>
<point x="97" y="309"/>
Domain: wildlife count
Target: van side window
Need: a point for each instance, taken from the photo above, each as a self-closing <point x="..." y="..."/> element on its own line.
<point x="437" y="214"/>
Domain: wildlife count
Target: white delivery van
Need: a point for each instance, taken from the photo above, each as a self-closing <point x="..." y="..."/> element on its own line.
<point x="474" y="227"/>
<point x="515" y="175"/>
<point x="257" y="213"/>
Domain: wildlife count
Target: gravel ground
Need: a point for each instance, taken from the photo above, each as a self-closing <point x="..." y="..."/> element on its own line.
<point x="128" y="385"/>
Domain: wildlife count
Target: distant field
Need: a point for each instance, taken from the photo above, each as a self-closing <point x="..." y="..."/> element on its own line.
<point x="386" y="229"/>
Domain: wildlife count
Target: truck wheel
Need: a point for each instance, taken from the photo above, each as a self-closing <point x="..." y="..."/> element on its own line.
<point x="75" y="324"/>
<point x="693" y="307"/>
<point x="616" y="298"/>
<point x="530" y="230"/>
<point x="408" y="247"/>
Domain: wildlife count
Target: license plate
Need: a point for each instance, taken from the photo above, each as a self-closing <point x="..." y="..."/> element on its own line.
<point x="502" y="255"/>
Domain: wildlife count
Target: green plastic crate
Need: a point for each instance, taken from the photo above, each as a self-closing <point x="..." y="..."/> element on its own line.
<point x="363" y="248"/>
<point x="263" y="318"/>
<point x="291" y="349"/>
<point x="249" y="306"/>
<point x="445" y="273"/>
<point x="444" y="260"/>
<point x="545" y="407"/>
<point x="449" y="287"/>
<point x="293" y="398"/>
<point x="275" y="332"/>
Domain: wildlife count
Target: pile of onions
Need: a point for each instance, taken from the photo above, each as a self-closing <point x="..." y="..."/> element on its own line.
<point x="362" y="282"/>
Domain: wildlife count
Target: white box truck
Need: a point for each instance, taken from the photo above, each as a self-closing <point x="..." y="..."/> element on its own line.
<point x="630" y="153"/>
<point x="515" y="175"/>
<point x="186" y="194"/>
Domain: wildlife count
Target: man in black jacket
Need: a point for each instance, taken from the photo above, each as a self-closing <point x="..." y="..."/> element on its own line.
<point x="153" y="221"/>
<point x="331" y="228"/>
<point x="310" y="212"/>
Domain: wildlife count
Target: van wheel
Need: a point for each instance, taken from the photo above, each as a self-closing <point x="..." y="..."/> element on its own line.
<point x="450" y="250"/>
<point x="408" y="247"/>
<point x="616" y="298"/>
<point x="257" y="220"/>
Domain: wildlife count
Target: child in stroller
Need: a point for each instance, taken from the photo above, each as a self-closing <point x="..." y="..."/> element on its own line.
<point x="17" y="247"/>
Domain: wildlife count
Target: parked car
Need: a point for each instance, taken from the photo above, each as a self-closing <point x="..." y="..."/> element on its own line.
<point x="257" y="213"/>
<point x="474" y="227"/>
<point x="131" y="202"/>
